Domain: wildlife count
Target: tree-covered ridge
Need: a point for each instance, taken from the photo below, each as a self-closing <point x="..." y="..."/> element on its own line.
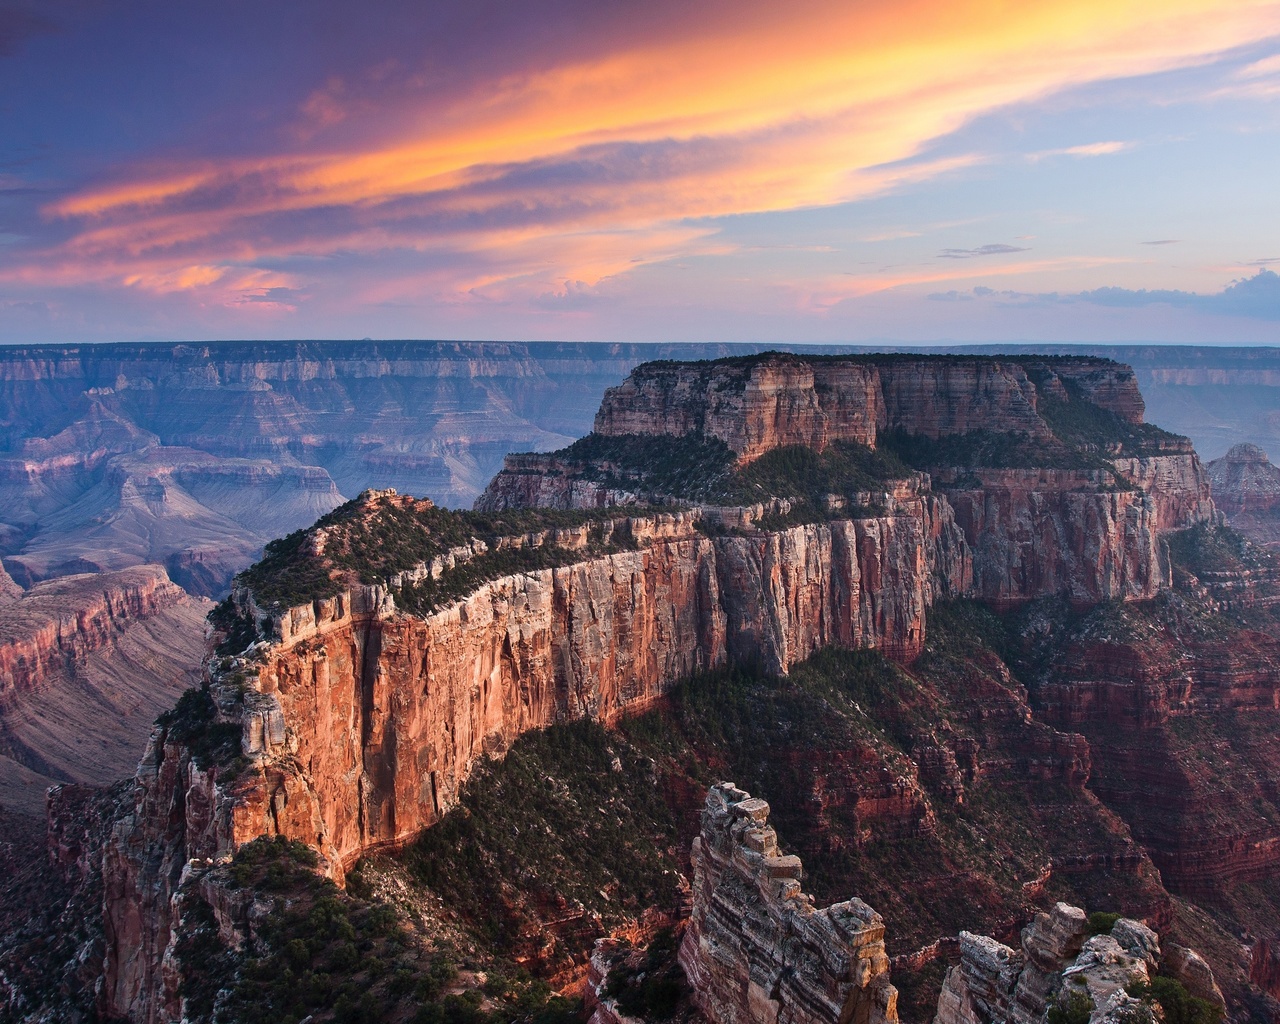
<point x="378" y="535"/>
<point x="701" y="469"/>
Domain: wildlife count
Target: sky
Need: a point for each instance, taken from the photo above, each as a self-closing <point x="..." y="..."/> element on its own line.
<point x="607" y="170"/>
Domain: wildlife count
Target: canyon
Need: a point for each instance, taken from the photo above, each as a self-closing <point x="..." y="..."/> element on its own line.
<point x="358" y="725"/>
<point x="351" y="701"/>
<point x="193" y="456"/>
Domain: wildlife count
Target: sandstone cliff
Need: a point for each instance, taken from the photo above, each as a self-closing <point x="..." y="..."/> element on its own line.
<point x="1084" y="521"/>
<point x="756" y="950"/>
<point x="361" y="723"/>
<point x="756" y="404"/>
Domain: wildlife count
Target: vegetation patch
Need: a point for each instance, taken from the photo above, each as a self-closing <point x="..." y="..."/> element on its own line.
<point x="652" y="986"/>
<point x="371" y="539"/>
<point x="237" y="631"/>
<point x="432" y="593"/>
<point x="1084" y="426"/>
<point x="1176" y="1004"/>
<point x="1203" y="549"/>
<point x="193" y="722"/>
<point x="572" y="818"/>
<point x="691" y="466"/>
<point x="329" y="955"/>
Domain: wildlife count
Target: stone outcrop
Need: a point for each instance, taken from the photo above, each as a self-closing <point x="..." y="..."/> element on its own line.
<point x="1058" y="961"/>
<point x="9" y="589"/>
<point x="1244" y="480"/>
<point x="1246" y="486"/>
<point x="756" y="951"/>
<point x="1197" y="978"/>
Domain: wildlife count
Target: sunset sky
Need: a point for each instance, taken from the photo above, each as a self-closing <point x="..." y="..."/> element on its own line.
<point x="915" y="170"/>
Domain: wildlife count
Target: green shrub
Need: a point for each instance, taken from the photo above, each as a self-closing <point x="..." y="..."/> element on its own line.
<point x="1178" y="1005"/>
<point x="193" y="722"/>
<point x="1071" y="1007"/>
<point x="1101" y="923"/>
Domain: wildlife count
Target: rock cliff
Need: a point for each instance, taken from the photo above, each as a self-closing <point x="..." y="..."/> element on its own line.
<point x="86" y="664"/>
<point x="1063" y="962"/>
<point x="755" y="404"/>
<point x="1058" y="485"/>
<point x="756" y="951"/>
<point x="361" y="724"/>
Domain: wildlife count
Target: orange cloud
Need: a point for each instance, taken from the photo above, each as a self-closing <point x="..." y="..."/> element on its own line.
<point x="778" y="108"/>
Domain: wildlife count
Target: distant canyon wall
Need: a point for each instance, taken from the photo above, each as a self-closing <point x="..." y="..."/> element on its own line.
<point x="86" y="665"/>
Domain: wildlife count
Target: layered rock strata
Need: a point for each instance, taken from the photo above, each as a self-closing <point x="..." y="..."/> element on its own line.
<point x="86" y="664"/>
<point x="361" y="723"/>
<point x="1089" y="534"/>
<point x="1246" y="486"/>
<point x="757" y="404"/>
<point x="756" y="951"/>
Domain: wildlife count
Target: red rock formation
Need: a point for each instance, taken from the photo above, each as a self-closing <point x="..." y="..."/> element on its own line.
<point x="752" y="406"/>
<point x="756" y="951"/>
<point x="364" y="723"/>
<point x="768" y="401"/>
<point x="1179" y="718"/>
<point x="1040" y="532"/>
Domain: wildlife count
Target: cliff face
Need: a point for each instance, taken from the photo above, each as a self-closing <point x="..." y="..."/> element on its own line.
<point x="786" y="400"/>
<point x="363" y="723"/>
<point x="752" y="408"/>
<point x="757" y="950"/>
<point x="86" y="664"/>
<point x="1047" y="532"/>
